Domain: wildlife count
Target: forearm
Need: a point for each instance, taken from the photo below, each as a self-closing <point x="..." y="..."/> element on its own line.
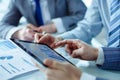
<point x="78" y="33"/>
<point x="10" y="19"/>
<point x="4" y="30"/>
<point x="86" y="29"/>
<point x="70" y="22"/>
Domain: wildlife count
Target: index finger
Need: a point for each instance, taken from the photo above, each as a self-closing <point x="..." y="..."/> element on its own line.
<point x="62" y="43"/>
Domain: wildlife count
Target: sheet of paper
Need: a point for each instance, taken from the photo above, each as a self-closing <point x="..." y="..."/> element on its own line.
<point x="14" y="62"/>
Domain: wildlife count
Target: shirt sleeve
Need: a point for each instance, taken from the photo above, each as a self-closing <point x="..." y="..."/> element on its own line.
<point x="86" y="76"/>
<point x="12" y="31"/>
<point x="87" y="28"/>
<point x="59" y="25"/>
<point x="100" y="59"/>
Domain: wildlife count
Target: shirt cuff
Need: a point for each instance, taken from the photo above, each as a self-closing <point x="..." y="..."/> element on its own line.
<point x="12" y="31"/>
<point x="59" y="25"/>
<point x="100" y="59"/>
<point x="86" y="76"/>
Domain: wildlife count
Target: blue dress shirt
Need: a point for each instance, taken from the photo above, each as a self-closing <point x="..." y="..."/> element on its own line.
<point x="97" y="17"/>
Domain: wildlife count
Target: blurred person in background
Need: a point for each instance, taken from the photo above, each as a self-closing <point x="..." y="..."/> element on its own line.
<point x="42" y="15"/>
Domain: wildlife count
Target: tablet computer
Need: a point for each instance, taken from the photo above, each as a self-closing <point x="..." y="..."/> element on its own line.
<point x="40" y="52"/>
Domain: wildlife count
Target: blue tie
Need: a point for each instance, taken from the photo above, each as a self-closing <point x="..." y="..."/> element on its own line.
<point x="114" y="30"/>
<point x="38" y="14"/>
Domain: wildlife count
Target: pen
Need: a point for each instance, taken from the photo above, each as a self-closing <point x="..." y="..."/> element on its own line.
<point x="36" y="38"/>
<point x="43" y="32"/>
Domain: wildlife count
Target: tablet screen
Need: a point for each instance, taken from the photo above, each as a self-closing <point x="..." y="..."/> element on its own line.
<point x="40" y="51"/>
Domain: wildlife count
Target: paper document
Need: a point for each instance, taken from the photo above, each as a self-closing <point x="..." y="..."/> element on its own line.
<point x="14" y="62"/>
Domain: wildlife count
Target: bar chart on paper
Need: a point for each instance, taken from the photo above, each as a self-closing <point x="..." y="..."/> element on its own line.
<point x="6" y="46"/>
<point x="13" y="62"/>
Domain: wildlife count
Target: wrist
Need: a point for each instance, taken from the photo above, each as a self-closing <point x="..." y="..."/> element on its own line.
<point x="96" y="51"/>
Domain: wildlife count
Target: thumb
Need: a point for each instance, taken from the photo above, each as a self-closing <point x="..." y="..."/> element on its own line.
<point x="54" y="64"/>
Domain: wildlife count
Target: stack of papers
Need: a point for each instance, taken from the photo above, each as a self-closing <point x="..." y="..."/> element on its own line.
<point x="14" y="62"/>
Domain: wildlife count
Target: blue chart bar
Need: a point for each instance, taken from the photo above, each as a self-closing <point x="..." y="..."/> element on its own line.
<point x="6" y="45"/>
<point x="6" y="57"/>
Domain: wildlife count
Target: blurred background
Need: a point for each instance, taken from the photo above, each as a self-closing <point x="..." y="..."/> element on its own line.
<point x="4" y="6"/>
<point x="97" y="41"/>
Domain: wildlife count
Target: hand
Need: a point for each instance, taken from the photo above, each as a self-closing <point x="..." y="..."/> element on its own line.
<point x="26" y="33"/>
<point x="79" y="49"/>
<point x="45" y="38"/>
<point x="61" y="71"/>
<point x="49" y="28"/>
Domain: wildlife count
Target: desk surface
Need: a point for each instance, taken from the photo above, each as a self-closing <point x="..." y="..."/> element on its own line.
<point x="85" y="66"/>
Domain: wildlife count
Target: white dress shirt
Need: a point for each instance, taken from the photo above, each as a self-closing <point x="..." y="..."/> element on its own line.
<point x="46" y="19"/>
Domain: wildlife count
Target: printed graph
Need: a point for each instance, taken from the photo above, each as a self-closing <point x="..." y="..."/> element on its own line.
<point x="10" y="67"/>
<point x="13" y="61"/>
<point x="6" y="46"/>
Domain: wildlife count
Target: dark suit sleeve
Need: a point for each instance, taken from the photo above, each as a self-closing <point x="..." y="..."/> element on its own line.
<point x="112" y="59"/>
<point x="10" y="19"/>
<point x="75" y="12"/>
